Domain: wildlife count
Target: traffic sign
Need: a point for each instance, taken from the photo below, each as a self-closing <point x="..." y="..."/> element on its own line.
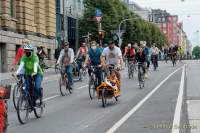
<point x="98" y="18"/>
<point x="98" y="12"/>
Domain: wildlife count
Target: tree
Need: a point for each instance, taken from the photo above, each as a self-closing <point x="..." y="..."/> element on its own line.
<point x="196" y="52"/>
<point x="114" y="11"/>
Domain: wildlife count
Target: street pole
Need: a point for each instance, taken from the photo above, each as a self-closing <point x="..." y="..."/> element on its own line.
<point x="119" y="28"/>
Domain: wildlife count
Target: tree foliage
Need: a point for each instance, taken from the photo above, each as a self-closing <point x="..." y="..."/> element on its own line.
<point x="114" y="11"/>
<point x="196" y="52"/>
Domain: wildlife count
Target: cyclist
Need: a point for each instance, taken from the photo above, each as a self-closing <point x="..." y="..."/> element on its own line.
<point x="19" y="54"/>
<point x="129" y="53"/>
<point x="30" y="63"/>
<point x="66" y="59"/>
<point x="41" y="53"/>
<point x="81" y="55"/>
<point x="141" y="58"/>
<point x="112" y="55"/>
<point x="173" y="52"/>
<point x="94" y="55"/>
<point x="154" y="54"/>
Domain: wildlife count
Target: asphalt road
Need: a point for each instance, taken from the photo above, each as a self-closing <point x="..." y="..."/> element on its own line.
<point x="76" y="113"/>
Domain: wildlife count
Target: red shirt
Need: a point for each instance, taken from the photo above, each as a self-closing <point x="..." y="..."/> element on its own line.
<point x="18" y="56"/>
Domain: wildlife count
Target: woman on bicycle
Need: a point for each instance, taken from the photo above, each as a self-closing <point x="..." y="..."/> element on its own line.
<point x="94" y="55"/>
<point x="33" y="72"/>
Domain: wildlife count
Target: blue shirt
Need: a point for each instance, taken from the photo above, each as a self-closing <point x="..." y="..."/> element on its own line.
<point x="95" y="56"/>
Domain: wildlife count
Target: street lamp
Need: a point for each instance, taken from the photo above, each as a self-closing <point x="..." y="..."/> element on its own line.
<point x="119" y="28"/>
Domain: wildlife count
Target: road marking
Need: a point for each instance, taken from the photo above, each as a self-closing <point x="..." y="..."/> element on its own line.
<point x="82" y="87"/>
<point x="177" y="115"/>
<point x="52" y="97"/>
<point x="49" y="98"/>
<point x="135" y="108"/>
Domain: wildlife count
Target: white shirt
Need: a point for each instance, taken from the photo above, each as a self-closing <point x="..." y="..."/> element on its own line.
<point x="112" y="56"/>
<point x="70" y="54"/>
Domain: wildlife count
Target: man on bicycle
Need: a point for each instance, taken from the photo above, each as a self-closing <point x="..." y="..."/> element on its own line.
<point x="94" y="55"/>
<point x="173" y="52"/>
<point x="112" y="55"/>
<point x="33" y="72"/>
<point x="66" y="59"/>
<point x="129" y="53"/>
<point x="154" y="54"/>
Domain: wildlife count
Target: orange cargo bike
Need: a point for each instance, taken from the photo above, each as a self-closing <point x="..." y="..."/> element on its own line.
<point x="109" y="88"/>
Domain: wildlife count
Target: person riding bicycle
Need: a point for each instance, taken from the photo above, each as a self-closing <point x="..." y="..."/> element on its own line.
<point x="112" y="55"/>
<point x="129" y="53"/>
<point x="41" y="53"/>
<point x="20" y="53"/>
<point x="33" y="72"/>
<point x="94" y="55"/>
<point x="66" y="59"/>
<point x="173" y="52"/>
<point x="141" y="58"/>
<point x="81" y="55"/>
<point x="154" y="54"/>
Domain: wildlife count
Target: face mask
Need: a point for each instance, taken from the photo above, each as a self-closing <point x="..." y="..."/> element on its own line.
<point x="28" y="54"/>
<point x="94" y="47"/>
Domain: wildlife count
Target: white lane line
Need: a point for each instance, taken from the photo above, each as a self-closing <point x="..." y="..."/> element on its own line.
<point x="52" y="97"/>
<point x="82" y="87"/>
<point x="177" y="115"/>
<point x="135" y="108"/>
<point x="49" y="98"/>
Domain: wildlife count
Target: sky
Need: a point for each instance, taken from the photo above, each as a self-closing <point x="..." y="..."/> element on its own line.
<point x="188" y="12"/>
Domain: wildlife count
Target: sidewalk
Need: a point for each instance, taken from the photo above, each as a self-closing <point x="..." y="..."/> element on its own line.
<point x="193" y="95"/>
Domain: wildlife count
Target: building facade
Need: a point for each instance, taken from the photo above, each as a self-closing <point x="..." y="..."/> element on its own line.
<point x="31" y="19"/>
<point x="67" y="14"/>
<point x="142" y="12"/>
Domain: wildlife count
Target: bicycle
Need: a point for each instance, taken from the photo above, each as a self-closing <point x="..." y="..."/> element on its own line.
<point x="108" y="89"/>
<point x="17" y="89"/>
<point x="63" y="82"/>
<point x="154" y="62"/>
<point x="131" y="68"/>
<point x="93" y="81"/>
<point x="28" y="103"/>
<point x="141" y="73"/>
<point x="79" y="70"/>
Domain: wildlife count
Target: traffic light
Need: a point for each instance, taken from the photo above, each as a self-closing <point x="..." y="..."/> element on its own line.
<point x="70" y="9"/>
<point x="101" y="34"/>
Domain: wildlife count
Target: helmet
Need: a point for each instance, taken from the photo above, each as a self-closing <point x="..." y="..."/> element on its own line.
<point x="28" y="47"/>
<point x="129" y="45"/>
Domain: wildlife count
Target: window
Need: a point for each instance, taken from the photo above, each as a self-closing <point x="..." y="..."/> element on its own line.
<point x="12" y="8"/>
<point x="57" y="6"/>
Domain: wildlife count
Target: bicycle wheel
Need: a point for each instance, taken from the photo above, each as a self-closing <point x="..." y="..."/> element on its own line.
<point x="22" y="109"/>
<point x="104" y="97"/>
<point x="38" y="110"/>
<point x="16" y="94"/>
<point x="62" y="86"/>
<point x="140" y="78"/>
<point x="91" y="88"/>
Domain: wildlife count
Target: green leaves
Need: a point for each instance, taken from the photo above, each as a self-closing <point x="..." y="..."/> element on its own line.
<point x="196" y="52"/>
<point x="114" y="11"/>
